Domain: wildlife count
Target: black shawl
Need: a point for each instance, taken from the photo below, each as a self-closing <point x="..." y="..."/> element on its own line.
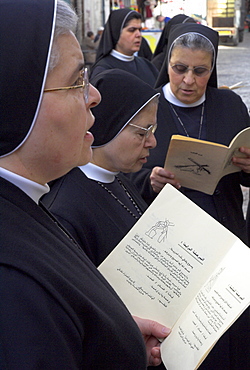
<point x="123" y="96"/>
<point x="24" y="55"/>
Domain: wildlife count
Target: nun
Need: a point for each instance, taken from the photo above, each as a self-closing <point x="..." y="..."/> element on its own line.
<point x="57" y="310"/>
<point x="121" y="40"/>
<point x="96" y="202"/>
<point x="192" y="105"/>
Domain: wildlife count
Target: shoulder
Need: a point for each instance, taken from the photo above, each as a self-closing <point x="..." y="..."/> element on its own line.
<point x="146" y="62"/>
<point x="223" y="94"/>
<point x="225" y="101"/>
<point x="62" y="189"/>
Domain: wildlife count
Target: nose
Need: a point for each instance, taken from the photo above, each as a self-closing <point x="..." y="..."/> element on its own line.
<point x="138" y="33"/>
<point x="150" y="142"/>
<point x="94" y="97"/>
<point x="189" y="77"/>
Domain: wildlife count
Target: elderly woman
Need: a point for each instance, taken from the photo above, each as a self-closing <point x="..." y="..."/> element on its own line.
<point x="95" y="202"/>
<point x="121" y="39"/>
<point x="57" y="310"/>
<point x="191" y="105"/>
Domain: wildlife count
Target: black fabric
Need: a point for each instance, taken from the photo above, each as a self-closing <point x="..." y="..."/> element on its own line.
<point x="225" y="116"/>
<point x="175" y="32"/>
<point x="123" y="95"/>
<point x="95" y="219"/>
<point x="22" y="75"/>
<point x="112" y="30"/>
<point x="57" y="311"/>
<point x="140" y="67"/>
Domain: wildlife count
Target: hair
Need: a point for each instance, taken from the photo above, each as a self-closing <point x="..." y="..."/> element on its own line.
<point x="66" y="22"/>
<point x="194" y="41"/>
<point x="90" y="33"/>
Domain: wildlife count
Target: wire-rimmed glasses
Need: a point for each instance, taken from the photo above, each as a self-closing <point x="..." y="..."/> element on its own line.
<point x="146" y="131"/>
<point x="82" y="82"/>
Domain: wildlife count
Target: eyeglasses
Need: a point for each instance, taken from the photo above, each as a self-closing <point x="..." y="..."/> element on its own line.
<point x="82" y="82"/>
<point x="147" y="131"/>
<point x="180" y="69"/>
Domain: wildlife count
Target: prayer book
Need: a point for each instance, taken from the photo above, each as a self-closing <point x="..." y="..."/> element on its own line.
<point x="182" y="268"/>
<point x="199" y="164"/>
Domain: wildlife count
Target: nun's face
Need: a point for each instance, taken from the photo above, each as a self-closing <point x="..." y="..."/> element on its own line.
<point x="130" y="149"/>
<point x="60" y="139"/>
<point x="187" y="87"/>
<point x="130" y="38"/>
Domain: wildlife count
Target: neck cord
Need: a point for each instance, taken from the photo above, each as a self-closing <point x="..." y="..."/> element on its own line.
<point x="182" y="124"/>
<point x="119" y="201"/>
<point x="61" y="227"/>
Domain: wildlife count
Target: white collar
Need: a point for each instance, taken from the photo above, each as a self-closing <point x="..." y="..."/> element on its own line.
<point x="34" y="190"/>
<point x="123" y="57"/>
<point x="94" y="172"/>
<point x="169" y="96"/>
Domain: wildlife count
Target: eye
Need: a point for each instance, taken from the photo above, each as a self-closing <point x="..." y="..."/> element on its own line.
<point x="200" y="70"/>
<point x="78" y="81"/>
<point x="141" y="134"/>
<point x="181" y="68"/>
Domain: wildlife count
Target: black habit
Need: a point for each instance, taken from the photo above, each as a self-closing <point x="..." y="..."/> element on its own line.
<point x="93" y="217"/>
<point x="48" y="282"/>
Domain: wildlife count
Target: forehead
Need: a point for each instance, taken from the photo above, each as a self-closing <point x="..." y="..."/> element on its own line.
<point x="70" y="61"/>
<point x="196" y="56"/>
<point x="147" y="115"/>
<point x="136" y="23"/>
<point x="69" y="48"/>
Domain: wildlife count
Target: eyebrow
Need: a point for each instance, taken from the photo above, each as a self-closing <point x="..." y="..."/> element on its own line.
<point x="132" y="28"/>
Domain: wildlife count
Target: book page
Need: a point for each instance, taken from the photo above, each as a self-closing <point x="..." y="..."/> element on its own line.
<point x="224" y="296"/>
<point x="167" y="256"/>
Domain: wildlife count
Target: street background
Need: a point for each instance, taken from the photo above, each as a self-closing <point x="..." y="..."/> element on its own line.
<point x="233" y="66"/>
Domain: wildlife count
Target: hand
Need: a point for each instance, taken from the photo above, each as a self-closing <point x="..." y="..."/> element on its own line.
<point x="243" y="163"/>
<point x="160" y="177"/>
<point x="152" y="331"/>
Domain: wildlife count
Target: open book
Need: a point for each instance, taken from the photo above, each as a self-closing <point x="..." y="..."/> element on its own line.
<point x="180" y="267"/>
<point x="199" y="164"/>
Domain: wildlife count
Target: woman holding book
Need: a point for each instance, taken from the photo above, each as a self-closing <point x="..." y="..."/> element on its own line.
<point x="192" y="105"/>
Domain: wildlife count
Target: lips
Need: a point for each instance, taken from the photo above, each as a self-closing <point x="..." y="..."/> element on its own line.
<point x="89" y="137"/>
<point x="187" y="91"/>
